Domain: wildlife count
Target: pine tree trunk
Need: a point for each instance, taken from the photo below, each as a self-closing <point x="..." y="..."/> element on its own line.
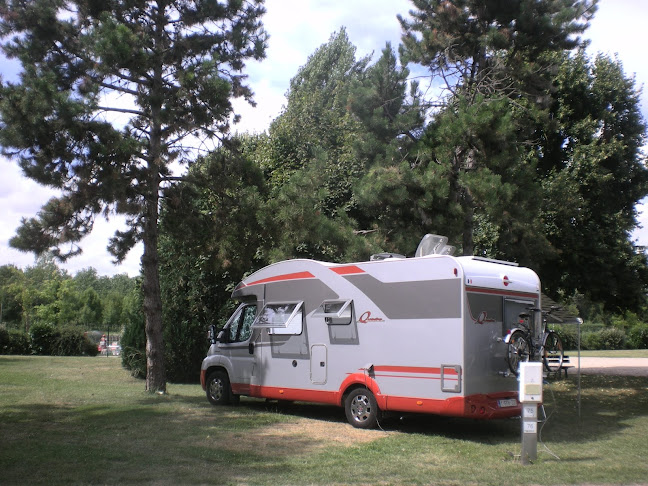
<point x="155" y="368"/>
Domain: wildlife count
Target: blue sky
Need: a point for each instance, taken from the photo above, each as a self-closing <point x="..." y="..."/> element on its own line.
<point x="296" y="29"/>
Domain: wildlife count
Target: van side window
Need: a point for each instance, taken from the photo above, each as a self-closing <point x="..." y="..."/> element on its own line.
<point x="240" y="325"/>
<point x="335" y="312"/>
<point x="281" y="318"/>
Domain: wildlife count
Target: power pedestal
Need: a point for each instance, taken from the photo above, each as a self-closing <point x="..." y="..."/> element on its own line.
<point x="530" y="397"/>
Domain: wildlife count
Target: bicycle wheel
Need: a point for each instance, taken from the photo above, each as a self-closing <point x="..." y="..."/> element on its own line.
<point x="552" y="352"/>
<point x="517" y="351"/>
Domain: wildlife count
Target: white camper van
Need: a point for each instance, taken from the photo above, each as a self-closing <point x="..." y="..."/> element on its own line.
<point x="423" y="334"/>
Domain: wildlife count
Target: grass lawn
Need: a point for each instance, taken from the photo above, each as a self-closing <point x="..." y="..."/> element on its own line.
<point x="85" y="421"/>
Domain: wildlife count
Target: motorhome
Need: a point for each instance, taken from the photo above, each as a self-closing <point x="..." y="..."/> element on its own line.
<point x="423" y="334"/>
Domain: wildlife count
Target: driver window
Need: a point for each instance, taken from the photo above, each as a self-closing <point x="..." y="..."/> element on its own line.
<point x="249" y="313"/>
<point x="240" y="327"/>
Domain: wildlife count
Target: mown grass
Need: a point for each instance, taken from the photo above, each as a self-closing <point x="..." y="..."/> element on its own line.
<point x="86" y="421"/>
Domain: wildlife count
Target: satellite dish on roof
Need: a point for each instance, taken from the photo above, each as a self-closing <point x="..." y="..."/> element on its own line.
<point x="434" y="245"/>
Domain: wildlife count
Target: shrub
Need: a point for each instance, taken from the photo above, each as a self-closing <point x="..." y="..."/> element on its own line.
<point x="89" y="348"/>
<point x="4" y="341"/>
<point x="18" y="342"/>
<point x="568" y="335"/>
<point x="612" y="338"/>
<point x="591" y="340"/>
<point x="71" y="341"/>
<point x="133" y="348"/>
<point x="43" y="338"/>
<point x="638" y="336"/>
<point x="49" y="340"/>
<point x="186" y="346"/>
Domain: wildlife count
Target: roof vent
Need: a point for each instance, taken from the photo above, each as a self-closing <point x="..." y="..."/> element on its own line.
<point x="384" y="256"/>
<point x="434" y="245"/>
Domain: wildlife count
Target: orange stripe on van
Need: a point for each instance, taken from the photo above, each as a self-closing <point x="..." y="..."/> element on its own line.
<point x="347" y="270"/>
<point x="279" y="278"/>
<point x="414" y="369"/>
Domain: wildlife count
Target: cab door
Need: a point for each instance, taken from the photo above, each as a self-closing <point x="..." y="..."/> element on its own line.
<point x="234" y="344"/>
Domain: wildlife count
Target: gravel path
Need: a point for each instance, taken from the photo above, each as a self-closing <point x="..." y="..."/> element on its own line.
<point x="610" y="366"/>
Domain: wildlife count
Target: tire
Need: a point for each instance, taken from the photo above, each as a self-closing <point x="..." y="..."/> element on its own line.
<point x="218" y="388"/>
<point x="517" y="351"/>
<point x="361" y="408"/>
<point x="552" y="352"/>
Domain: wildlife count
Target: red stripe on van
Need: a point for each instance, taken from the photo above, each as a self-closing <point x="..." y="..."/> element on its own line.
<point x="414" y="369"/>
<point x="279" y="278"/>
<point x="509" y="293"/>
<point x="347" y="270"/>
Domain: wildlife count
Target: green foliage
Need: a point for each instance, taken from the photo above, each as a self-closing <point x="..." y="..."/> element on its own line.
<point x="133" y="349"/>
<point x="133" y="340"/>
<point x="592" y="161"/>
<point x="50" y="340"/>
<point x="638" y="336"/>
<point x="612" y="338"/>
<point x="186" y="346"/>
<point x="5" y="341"/>
<point x="43" y="339"/>
<point x="605" y="338"/>
<point x="568" y="335"/>
<point x="17" y="342"/>
<point x="45" y="294"/>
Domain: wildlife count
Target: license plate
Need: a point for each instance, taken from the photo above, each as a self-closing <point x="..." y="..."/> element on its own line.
<point x="509" y="402"/>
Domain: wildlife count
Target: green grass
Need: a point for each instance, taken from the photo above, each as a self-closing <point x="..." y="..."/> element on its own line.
<point x="85" y="421"/>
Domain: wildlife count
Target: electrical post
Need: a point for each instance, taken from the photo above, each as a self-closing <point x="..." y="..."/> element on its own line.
<point x="530" y="398"/>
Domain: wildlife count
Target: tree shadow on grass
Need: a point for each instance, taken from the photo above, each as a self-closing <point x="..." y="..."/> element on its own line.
<point x="606" y="405"/>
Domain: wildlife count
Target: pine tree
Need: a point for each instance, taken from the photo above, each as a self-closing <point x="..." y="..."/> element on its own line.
<point x="109" y="93"/>
<point x="491" y="63"/>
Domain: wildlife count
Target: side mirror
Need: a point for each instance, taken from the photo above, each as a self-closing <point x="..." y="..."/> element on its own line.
<point x="251" y="348"/>
<point x="211" y="334"/>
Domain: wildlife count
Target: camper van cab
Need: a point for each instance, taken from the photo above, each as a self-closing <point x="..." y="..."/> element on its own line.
<point x="422" y="334"/>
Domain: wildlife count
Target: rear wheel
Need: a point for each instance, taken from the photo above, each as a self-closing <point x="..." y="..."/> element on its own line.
<point x="218" y="388"/>
<point x="517" y="351"/>
<point x="552" y="353"/>
<point x="361" y="408"/>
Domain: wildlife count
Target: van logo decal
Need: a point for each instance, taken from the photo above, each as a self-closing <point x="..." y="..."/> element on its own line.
<point x="483" y="317"/>
<point x="366" y="317"/>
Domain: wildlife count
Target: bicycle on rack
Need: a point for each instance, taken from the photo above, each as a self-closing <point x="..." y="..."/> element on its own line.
<point x="522" y="345"/>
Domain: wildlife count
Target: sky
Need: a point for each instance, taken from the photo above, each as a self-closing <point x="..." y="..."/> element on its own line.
<point x="296" y="30"/>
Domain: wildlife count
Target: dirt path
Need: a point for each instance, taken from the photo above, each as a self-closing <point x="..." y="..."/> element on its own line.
<point x="610" y="366"/>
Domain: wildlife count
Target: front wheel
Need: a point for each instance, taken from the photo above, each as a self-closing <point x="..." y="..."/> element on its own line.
<point x="361" y="408"/>
<point x="517" y="351"/>
<point x="218" y="388"/>
<point x="552" y="354"/>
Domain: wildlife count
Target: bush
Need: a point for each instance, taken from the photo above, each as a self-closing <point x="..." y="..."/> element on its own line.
<point x="186" y="346"/>
<point x="18" y="342"/>
<point x="133" y="348"/>
<point x="591" y="340"/>
<point x="568" y="335"/>
<point x="72" y="341"/>
<point x="638" y="336"/>
<point x="606" y="338"/>
<point x="49" y="340"/>
<point x="612" y="338"/>
<point x="4" y="341"/>
<point x="43" y="338"/>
